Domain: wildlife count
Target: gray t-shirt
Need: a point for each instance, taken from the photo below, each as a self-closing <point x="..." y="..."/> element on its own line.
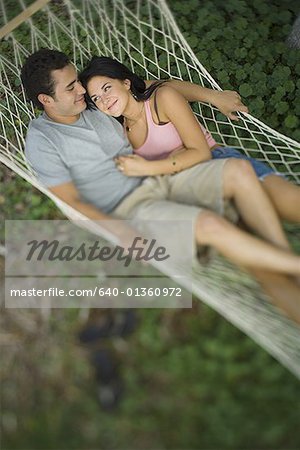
<point x="83" y="153"/>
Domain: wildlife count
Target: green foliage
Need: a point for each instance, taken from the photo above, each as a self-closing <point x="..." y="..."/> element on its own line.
<point x="20" y="200"/>
<point x="192" y="382"/>
<point x="242" y="45"/>
<point x="245" y="90"/>
<point x="291" y="121"/>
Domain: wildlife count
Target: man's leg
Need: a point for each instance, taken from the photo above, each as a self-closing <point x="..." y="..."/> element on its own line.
<point x="184" y="195"/>
<point x="238" y="246"/>
<point x="211" y="229"/>
<point x="241" y="247"/>
<point x="258" y="257"/>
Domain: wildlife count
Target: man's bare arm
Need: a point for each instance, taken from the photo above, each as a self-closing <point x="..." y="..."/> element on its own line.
<point x="120" y="232"/>
<point x="227" y="102"/>
<point x="68" y="193"/>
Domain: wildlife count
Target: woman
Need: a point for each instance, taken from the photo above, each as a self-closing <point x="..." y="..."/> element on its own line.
<point x="174" y="140"/>
<point x="164" y="110"/>
<point x="175" y="143"/>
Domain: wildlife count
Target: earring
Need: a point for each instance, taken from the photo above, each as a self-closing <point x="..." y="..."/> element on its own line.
<point x="133" y="95"/>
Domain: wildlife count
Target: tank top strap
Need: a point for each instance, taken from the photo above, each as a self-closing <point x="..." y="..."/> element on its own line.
<point x="148" y="112"/>
<point x="156" y="108"/>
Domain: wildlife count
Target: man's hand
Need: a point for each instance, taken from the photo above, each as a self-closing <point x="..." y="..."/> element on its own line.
<point x="133" y="165"/>
<point x="228" y="102"/>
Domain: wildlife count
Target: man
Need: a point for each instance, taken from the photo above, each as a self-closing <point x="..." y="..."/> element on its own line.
<point x="73" y="151"/>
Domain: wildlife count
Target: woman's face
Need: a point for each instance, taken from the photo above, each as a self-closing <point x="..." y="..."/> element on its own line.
<point x="109" y="95"/>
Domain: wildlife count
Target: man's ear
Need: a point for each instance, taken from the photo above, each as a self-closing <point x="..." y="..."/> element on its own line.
<point x="45" y="99"/>
<point x="127" y="83"/>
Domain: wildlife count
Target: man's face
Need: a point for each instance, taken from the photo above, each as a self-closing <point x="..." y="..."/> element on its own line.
<point x="68" y="101"/>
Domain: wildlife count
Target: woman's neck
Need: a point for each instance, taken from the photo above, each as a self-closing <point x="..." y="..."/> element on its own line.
<point x="133" y="109"/>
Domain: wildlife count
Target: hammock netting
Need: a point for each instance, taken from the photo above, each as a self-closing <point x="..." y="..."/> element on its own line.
<point x="144" y="35"/>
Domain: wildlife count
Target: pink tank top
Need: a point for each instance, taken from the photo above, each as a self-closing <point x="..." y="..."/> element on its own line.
<point x="162" y="140"/>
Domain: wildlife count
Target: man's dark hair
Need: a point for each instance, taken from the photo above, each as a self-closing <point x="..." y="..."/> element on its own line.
<point x="36" y="73"/>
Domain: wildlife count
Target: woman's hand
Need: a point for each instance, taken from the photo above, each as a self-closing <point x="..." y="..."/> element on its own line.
<point x="227" y="103"/>
<point x="133" y="165"/>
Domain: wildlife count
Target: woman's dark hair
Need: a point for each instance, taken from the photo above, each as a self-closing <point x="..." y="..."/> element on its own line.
<point x="36" y="73"/>
<point x="111" y="68"/>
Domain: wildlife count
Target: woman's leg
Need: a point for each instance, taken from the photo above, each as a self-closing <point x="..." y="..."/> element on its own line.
<point x="257" y="211"/>
<point x="285" y="197"/>
<point x="283" y="290"/>
<point x="241" y="247"/>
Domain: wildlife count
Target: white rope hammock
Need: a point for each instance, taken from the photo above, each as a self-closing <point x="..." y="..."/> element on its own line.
<point x="144" y="35"/>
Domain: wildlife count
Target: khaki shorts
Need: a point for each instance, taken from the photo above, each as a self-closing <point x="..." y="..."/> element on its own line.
<point x="181" y="196"/>
<point x="184" y="194"/>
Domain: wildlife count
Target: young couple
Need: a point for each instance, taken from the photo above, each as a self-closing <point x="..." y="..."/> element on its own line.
<point x="85" y="158"/>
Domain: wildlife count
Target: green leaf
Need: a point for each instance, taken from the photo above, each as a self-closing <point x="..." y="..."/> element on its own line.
<point x="297" y="68"/>
<point x="282" y="107"/>
<point x="241" y="74"/>
<point x="291" y="121"/>
<point x="245" y="90"/>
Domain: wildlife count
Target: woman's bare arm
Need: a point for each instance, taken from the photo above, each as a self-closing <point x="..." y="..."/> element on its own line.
<point x="227" y="102"/>
<point x="172" y="108"/>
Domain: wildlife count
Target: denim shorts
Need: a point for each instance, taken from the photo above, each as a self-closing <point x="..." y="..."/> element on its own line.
<point x="261" y="169"/>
